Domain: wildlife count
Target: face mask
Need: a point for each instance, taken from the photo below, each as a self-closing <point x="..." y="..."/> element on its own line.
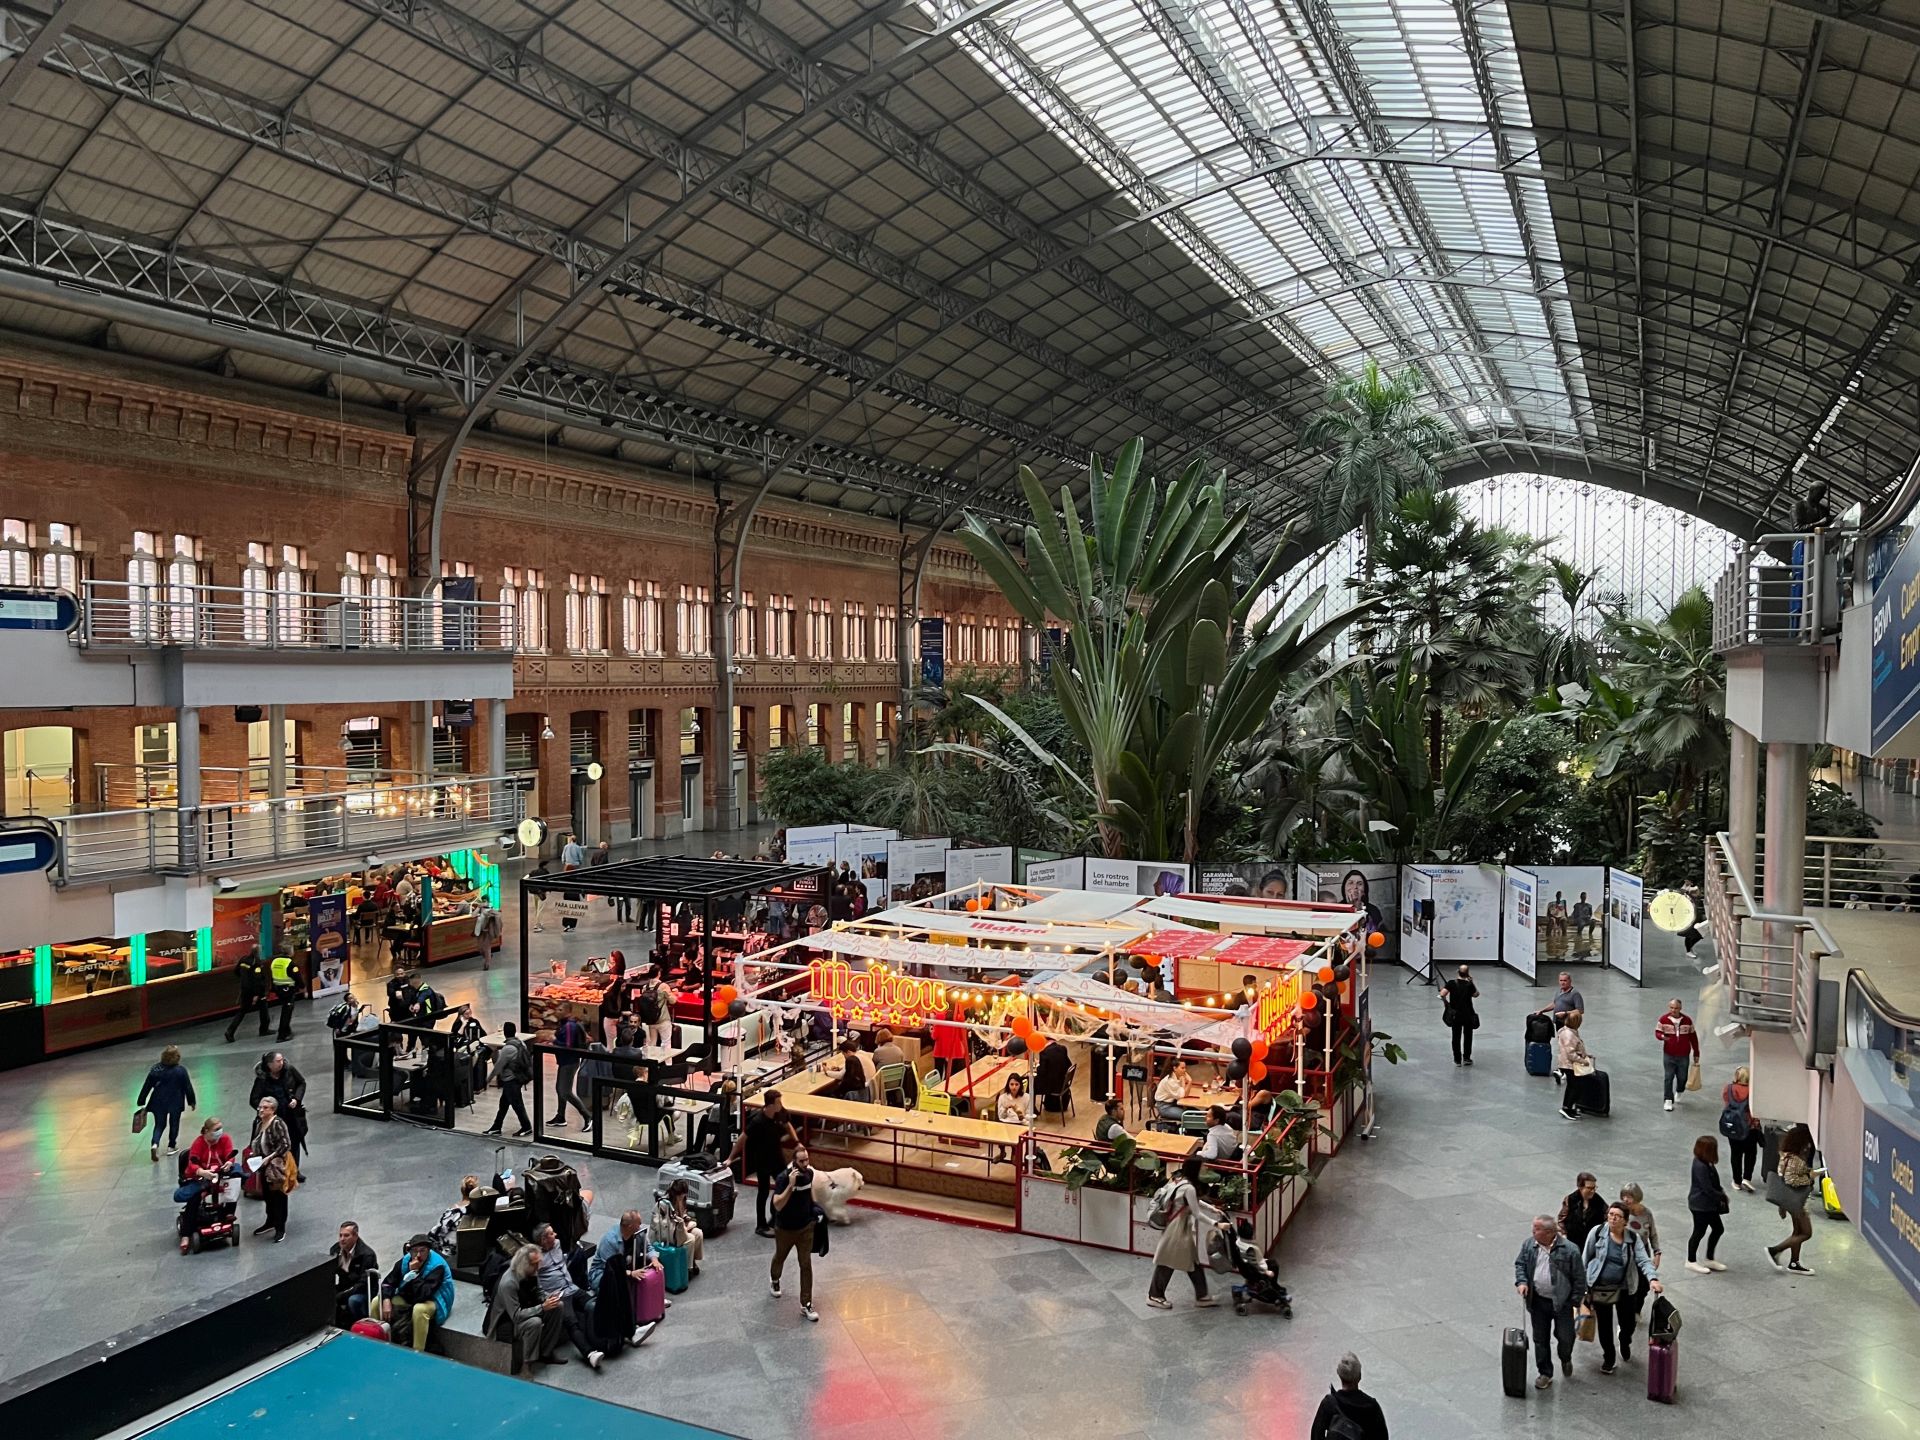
<point x="215" y="1134"/>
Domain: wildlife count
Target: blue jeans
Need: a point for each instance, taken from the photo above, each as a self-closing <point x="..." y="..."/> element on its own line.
<point x="1673" y="1074"/>
<point x="172" y="1124"/>
<point x="356" y="1306"/>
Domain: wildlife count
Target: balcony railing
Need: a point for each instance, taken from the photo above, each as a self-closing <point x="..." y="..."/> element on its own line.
<point x="124" y="786"/>
<point x="122" y="615"/>
<point x="1762" y="600"/>
<point x="1769" y="962"/>
<point x="213" y="838"/>
<point x="1842" y="873"/>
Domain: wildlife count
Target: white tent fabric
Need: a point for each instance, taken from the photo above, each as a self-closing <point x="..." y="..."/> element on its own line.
<point x="998" y="927"/>
<point x="1075" y="905"/>
<point x="1250" y="919"/>
<point x="896" y="951"/>
<point x="1144" y="1013"/>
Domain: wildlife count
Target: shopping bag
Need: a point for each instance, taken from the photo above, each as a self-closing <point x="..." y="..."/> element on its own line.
<point x="139" y="1120"/>
<point x="1693" y="1074"/>
<point x="1589" y="1328"/>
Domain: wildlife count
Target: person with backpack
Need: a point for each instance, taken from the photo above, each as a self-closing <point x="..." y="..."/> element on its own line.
<point x="1617" y="1267"/>
<point x="655" y="1006"/>
<point x="1348" y="1413"/>
<point x="514" y="1069"/>
<point x="571" y="1035"/>
<point x="1550" y="1278"/>
<point x="1179" y="1212"/>
<point x="1736" y="1124"/>
<point x="1457" y="1013"/>
<point x="1707" y="1200"/>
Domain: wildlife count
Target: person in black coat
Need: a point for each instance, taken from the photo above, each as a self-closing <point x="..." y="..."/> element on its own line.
<point x="277" y="1076"/>
<point x="353" y="1262"/>
<point x="251" y="972"/>
<point x="1050" y="1073"/>
<point x="1583" y="1211"/>
<point x="1351" y="1403"/>
<point x="1707" y="1199"/>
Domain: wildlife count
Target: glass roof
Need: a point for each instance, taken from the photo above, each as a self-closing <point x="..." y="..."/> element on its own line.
<point x="1260" y="120"/>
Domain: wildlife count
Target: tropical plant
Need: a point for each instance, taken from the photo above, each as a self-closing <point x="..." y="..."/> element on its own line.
<point x="1535" y="758"/>
<point x="1569" y="653"/>
<point x="800" y="786"/>
<point x="1676" y="726"/>
<point x="1383" y="446"/>
<point x="1164" y="670"/>
<point x="1458" y="600"/>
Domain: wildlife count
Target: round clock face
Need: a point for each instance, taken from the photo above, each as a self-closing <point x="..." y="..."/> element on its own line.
<point x="531" y="831"/>
<point x="594" y="772"/>
<point x="1671" y="910"/>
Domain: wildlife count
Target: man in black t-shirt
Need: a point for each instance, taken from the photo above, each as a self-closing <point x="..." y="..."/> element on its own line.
<point x="767" y="1129"/>
<point x="1456" y="1000"/>
<point x="794" y="1216"/>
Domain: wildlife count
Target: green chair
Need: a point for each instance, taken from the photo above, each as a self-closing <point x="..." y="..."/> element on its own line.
<point x="892" y="1080"/>
<point x="1193" y="1122"/>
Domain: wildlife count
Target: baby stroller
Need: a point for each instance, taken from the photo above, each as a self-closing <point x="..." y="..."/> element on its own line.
<point x="210" y="1209"/>
<point x="1232" y="1249"/>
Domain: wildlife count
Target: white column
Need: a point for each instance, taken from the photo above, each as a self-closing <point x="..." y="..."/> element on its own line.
<point x="1743" y="798"/>
<point x="1786" y="857"/>
<point x="277" y="771"/>
<point x="186" y="771"/>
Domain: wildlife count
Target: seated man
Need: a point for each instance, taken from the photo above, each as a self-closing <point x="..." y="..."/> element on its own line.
<point x="1223" y="1141"/>
<point x="1109" y="1125"/>
<point x="856" y="1079"/>
<point x="629" y="1237"/>
<point x="417" y="1294"/>
<point x="353" y="1262"/>
<point x="556" y="1283"/>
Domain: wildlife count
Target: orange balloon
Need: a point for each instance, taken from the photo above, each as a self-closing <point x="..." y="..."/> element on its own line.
<point x="719" y="1008"/>
<point x="1256" y="1072"/>
<point x="726" y="994"/>
<point x="1021" y="1026"/>
<point x="1260" y="1049"/>
<point x="1036" y="1043"/>
<point x="1324" y="975"/>
<point x="972" y="906"/>
<point x="1309" y="1001"/>
<point x="1376" y="939"/>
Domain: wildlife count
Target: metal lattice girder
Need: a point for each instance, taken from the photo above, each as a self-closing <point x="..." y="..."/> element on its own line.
<point x="748" y="29"/>
<point x="74" y="263"/>
<point x="468" y="40"/>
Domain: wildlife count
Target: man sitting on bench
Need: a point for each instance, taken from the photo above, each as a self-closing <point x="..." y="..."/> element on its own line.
<point x="417" y="1294"/>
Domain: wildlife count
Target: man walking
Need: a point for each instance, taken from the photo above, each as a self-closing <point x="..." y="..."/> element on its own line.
<point x="759" y="1146"/>
<point x="1550" y="1278"/>
<point x="1351" y="1408"/>
<point x="514" y="1069"/>
<point x="1456" y="1009"/>
<point x="253" y="995"/>
<point x="794" y="1216"/>
<point x="286" y="989"/>
<point x="1680" y="1044"/>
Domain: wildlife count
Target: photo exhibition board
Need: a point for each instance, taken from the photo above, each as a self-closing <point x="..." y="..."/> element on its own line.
<point x="1519" y="921"/>
<point x="1572" y="906"/>
<point x="1626" y="906"/>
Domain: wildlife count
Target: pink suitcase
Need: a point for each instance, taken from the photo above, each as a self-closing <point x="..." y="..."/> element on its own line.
<point x="649" y="1295"/>
<point x="1663" y="1370"/>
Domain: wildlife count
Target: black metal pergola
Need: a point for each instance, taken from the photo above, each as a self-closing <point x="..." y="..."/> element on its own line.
<point x="665" y="881"/>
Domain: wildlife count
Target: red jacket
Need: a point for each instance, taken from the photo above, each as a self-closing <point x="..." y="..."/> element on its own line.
<point x="1676" y="1035"/>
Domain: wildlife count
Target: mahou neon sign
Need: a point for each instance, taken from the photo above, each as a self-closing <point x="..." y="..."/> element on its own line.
<point x="877" y="995"/>
<point x="1273" y="1013"/>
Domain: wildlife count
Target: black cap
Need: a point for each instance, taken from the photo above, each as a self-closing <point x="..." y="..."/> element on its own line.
<point x="417" y="1241"/>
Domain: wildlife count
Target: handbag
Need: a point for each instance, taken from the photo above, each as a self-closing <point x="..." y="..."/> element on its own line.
<point x="139" y="1119"/>
<point x="820" y="1231"/>
<point x="1604" y="1294"/>
<point x="1693" y="1074"/>
<point x="1582" y="1065"/>
<point x="1785" y="1196"/>
<point x="1448" y="1017"/>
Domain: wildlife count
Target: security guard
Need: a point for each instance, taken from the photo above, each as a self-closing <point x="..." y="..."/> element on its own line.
<point x="286" y="988"/>
<point x="253" y="994"/>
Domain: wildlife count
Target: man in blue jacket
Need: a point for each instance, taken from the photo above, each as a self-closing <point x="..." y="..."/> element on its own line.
<point x="417" y="1293"/>
<point x="1550" y="1277"/>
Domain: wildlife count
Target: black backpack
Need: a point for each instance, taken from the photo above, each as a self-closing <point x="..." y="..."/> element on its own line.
<point x="650" y="1005"/>
<point x="1342" y="1426"/>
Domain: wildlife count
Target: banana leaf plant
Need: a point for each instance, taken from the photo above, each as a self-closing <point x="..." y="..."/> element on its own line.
<point x="1165" y="668"/>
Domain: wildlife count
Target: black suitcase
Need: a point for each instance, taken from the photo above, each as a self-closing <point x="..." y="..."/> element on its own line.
<point x="1590" y="1094"/>
<point x="1513" y="1362"/>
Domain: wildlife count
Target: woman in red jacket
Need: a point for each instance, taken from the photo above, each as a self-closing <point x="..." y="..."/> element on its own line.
<point x="209" y="1158"/>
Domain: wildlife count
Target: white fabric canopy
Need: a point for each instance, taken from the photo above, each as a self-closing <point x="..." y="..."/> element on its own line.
<point x="1148" y="1014"/>
<point x="1077" y="905"/>
<point x="998" y="927"/>
<point x="1251" y="919"/>
<point x="897" y="951"/>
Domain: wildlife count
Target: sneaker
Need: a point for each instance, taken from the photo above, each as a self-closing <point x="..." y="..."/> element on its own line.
<point x="1626" y="1351"/>
<point x="1747" y="1185"/>
<point x="153" y="1152"/>
<point x="1773" y="1258"/>
<point x="1159" y="1302"/>
<point x="1456" y="1059"/>
<point x="1205" y="1302"/>
<point x="522" y="1134"/>
<point x="813" y="1315"/>
<point x="594" y="1357"/>
<point x="1698" y="1268"/>
<point x="1669" y="1104"/>
<point x="493" y="1131"/>
<point x="556" y="1124"/>
<point x="1467" y="1061"/>
<point x="173" y="1149"/>
<point x="1794" y="1267"/>
<point x="1608" y="1368"/>
<point x="1542" y="1382"/>
<point x="773" y="1288"/>
<point x="765" y="1232"/>
<point x="262" y="1229"/>
<point x="1716" y="1266"/>
<point x="1566" y="1114"/>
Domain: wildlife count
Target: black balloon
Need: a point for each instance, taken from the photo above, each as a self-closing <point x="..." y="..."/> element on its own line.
<point x="1242" y="1048"/>
<point x="736" y="1009"/>
<point x="1237" y="1071"/>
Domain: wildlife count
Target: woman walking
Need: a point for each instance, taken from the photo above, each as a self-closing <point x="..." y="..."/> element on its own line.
<point x="1457" y="1012"/>
<point x="272" y="1146"/>
<point x="1583" y="1211"/>
<point x="1707" y="1199"/>
<point x="1736" y="1123"/>
<point x="1575" y="1062"/>
<point x="1787" y="1190"/>
<point x="1619" y="1269"/>
<point x="1181" y="1245"/>
<point x="168" y="1092"/>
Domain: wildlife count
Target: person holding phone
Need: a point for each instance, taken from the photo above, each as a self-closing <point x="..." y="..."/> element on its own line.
<point x="794" y="1216"/>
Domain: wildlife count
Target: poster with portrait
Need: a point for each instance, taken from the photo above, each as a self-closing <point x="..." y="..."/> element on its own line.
<point x="1626" y="906"/>
<point x="1363" y="884"/>
<point x="328" y="951"/>
<point x="1466" y="912"/>
<point x="1572" y="905"/>
<point x="1416" y="920"/>
<point x="1137" y="877"/>
<point x="1058" y="872"/>
<point x="1519" y="920"/>
<point x="916" y="869"/>
<point x="983" y="865"/>
<point x="864" y="852"/>
<point x="1261" y="879"/>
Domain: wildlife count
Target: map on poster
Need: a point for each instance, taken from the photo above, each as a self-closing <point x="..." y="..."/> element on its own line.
<point x="1136" y="877"/>
<point x="989" y="865"/>
<point x="1466" y="912"/>
<point x="1572" y="905"/>
<point x="1416" y="920"/>
<point x="1626" y="902"/>
<point x="916" y="869"/>
<point x="866" y="852"/>
<point x="1519" y="920"/>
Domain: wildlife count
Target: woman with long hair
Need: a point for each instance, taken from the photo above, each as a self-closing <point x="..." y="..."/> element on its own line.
<point x="1787" y="1189"/>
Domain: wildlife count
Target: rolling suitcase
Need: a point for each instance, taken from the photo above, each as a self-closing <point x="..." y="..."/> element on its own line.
<point x="1513" y="1362"/>
<point x="1539" y="1058"/>
<point x="1595" y="1093"/>
<point x="1663" y="1369"/>
<point x="673" y="1264"/>
<point x="649" y="1295"/>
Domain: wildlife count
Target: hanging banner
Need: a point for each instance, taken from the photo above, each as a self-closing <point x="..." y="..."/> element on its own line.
<point x="987" y="865"/>
<point x="1519" y="920"/>
<point x="916" y="869"/>
<point x="1136" y="877"/>
<point x="1262" y="879"/>
<point x="236" y="931"/>
<point x="1571" y="899"/>
<point x="864" y="852"/>
<point x="329" y="956"/>
<point x="1068" y="872"/>
<point x="1626" y="901"/>
<point x="1466" y="912"/>
<point x="933" y="653"/>
<point x="1416" y="920"/>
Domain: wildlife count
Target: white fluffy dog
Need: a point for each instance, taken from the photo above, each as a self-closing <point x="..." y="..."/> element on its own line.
<point x="833" y="1191"/>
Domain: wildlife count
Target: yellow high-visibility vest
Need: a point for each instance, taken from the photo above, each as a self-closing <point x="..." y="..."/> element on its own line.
<point x="282" y="971"/>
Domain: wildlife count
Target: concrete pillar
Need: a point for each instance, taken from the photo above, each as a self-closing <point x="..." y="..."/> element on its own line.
<point x="276" y="770"/>
<point x="423" y="742"/>
<point x="186" y="754"/>
<point x="1743" y="798"/>
<point x="496" y="758"/>
<point x="1786" y="833"/>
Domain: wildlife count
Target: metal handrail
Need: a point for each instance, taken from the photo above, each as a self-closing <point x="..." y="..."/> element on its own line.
<point x="222" y="836"/>
<point x="1771" y="980"/>
<point x="124" y="614"/>
<point x="1762" y="601"/>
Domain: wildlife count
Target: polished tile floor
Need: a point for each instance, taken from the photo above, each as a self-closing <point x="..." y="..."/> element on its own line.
<point x="1404" y="1255"/>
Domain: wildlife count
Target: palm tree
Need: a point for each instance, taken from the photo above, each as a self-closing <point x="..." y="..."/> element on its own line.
<point x="1678" y="686"/>
<point x="1569" y="653"/>
<point x="1383" y="447"/>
